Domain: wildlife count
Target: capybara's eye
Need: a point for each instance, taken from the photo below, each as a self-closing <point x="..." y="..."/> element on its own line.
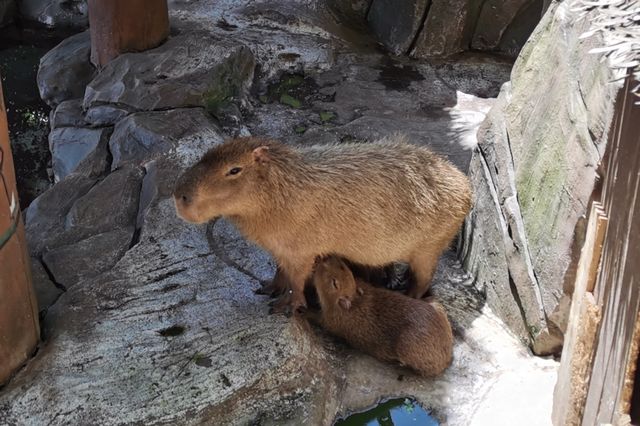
<point x="234" y="171"/>
<point x="335" y="283"/>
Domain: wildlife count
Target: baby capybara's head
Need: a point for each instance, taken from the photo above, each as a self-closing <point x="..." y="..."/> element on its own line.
<point x="334" y="282"/>
<point x="224" y="182"/>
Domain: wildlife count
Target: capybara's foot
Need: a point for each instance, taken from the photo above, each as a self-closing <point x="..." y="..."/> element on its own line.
<point x="278" y="285"/>
<point x="288" y="303"/>
<point x="281" y="305"/>
<point x="271" y="289"/>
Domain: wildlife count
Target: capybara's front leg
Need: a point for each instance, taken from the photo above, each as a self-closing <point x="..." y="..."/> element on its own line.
<point x="297" y="272"/>
<point x="278" y="285"/>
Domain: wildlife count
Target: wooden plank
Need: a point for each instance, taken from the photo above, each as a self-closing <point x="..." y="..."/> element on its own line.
<point x="584" y="316"/>
<point x="618" y="287"/>
<point x="630" y="375"/>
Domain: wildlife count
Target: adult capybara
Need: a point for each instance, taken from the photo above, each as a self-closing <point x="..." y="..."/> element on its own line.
<point x="386" y="324"/>
<point x="371" y="203"/>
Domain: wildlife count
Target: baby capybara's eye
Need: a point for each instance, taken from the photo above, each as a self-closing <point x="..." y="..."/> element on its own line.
<point x="234" y="171"/>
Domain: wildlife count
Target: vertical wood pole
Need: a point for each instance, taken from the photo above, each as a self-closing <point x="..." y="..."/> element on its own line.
<point x="119" y="26"/>
<point x="19" y="327"/>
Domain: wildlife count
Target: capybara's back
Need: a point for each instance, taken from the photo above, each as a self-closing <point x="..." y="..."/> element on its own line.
<point x="427" y="344"/>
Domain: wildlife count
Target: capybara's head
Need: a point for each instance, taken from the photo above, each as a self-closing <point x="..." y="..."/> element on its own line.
<point x="334" y="282"/>
<point x="224" y="182"/>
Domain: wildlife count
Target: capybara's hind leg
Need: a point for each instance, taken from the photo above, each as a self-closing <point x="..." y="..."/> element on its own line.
<point x="423" y="266"/>
<point x="278" y="285"/>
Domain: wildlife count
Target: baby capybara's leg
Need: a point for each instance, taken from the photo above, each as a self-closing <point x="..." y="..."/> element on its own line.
<point x="278" y="285"/>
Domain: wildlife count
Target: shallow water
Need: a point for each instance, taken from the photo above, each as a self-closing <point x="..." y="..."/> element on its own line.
<point x="393" y="412"/>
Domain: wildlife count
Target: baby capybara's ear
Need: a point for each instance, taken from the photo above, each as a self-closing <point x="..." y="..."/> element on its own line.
<point x="344" y="302"/>
<point x="261" y="154"/>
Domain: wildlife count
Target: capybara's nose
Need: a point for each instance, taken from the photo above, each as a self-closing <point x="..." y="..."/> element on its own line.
<point x="185" y="199"/>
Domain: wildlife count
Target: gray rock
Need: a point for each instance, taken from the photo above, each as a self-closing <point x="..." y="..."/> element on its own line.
<point x="396" y="24"/>
<point x="187" y="71"/>
<point x="179" y="311"/>
<point x="71" y="146"/>
<point x="56" y="13"/>
<point x="447" y="28"/>
<point x="495" y="17"/>
<point x="66" y="70"/>
<point x="89" y="257"/>
<point x="143" y="136"/>
<point x="7" y="12"/>
<point x="68" y="114"/>
<point x="105" y="115"/>
<point x="46" y="291"/>
<point x="45" y="216"/>
<point x="109" y="205"/>
<point x="352" y="11"/>
<point x="540" y="160"/>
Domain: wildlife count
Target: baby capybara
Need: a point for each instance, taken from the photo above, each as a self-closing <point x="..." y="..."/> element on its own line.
<point x="371" y="203"/>
<point x="383" y="323"/>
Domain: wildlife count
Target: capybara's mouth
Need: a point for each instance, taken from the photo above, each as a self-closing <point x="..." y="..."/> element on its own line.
<point x="186" y="213"/>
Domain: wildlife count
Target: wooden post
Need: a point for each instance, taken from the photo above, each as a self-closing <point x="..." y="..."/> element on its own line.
<point x="119" y="26"/>
<point x="19" y="327"/>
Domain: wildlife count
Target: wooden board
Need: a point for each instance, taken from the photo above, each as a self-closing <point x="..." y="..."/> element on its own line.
<point x="617" y="290"/>
<point x="584" y="316"/>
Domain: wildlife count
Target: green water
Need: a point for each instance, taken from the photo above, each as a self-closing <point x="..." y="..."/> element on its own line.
<point x="394" y="412"/>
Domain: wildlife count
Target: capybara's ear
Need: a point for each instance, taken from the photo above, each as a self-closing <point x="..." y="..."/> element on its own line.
<point x="344" y="302"/>
<point x="261" y="154"/>
<point x="360" y="290"/>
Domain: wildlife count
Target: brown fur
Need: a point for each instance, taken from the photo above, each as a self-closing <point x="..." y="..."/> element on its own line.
<point x="370" y="203"/>
<point x="383" y="323"/>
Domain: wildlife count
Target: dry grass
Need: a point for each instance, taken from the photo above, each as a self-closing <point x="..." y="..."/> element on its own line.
<point x="618" y="23"/>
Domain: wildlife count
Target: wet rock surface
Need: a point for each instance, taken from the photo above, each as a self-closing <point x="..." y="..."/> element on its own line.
<point x="159" y="322"/>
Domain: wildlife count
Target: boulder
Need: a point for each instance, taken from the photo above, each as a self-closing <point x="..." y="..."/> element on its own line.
<point x="68" y="114"/>
<point x="495" y="18"/>
<point x="540" y="147"/>
<point x="56" y="13"/>
<point x="72" y="147"/>
<point x="447" y="29"/>
<point x="111" y="204"/>
<point x="47" y="292"/>
<point x="142" y="136"/>
<point x="187" y="71"/>
<point x="395" y="24"/>
<point x="87" y="258"/>
<point x="45" y="216"/>
<point x="65" y="70"/>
